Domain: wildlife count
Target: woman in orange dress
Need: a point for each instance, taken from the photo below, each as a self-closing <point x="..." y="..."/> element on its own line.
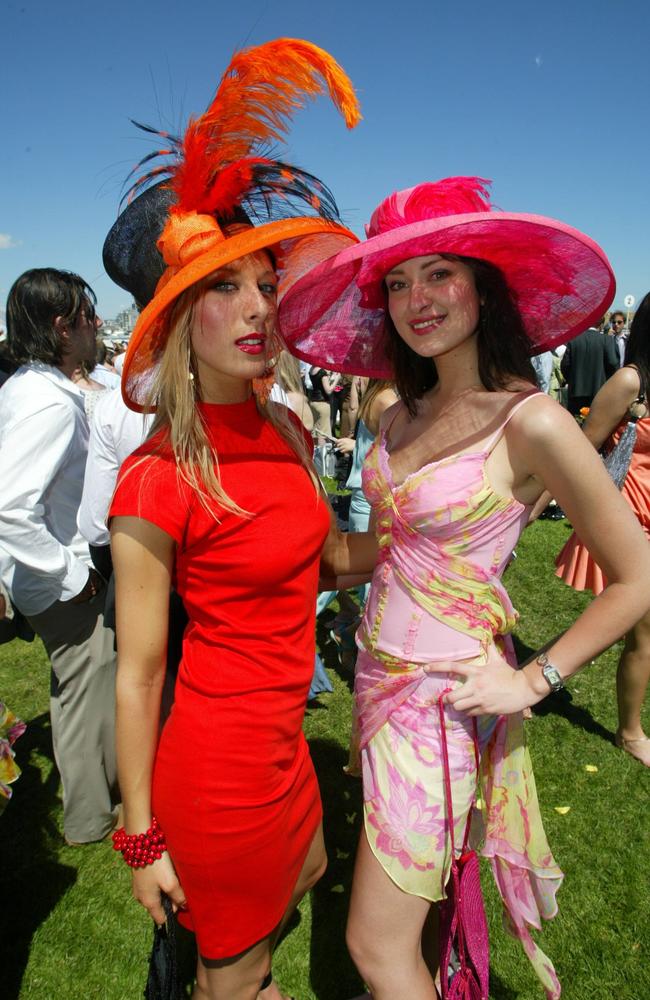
<point x="622" y="399"/>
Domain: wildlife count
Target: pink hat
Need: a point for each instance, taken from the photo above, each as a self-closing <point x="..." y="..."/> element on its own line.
<point x="560" y="279"/>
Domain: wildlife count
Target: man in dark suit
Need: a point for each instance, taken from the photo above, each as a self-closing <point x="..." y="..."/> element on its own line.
<point x="588" y="362"/>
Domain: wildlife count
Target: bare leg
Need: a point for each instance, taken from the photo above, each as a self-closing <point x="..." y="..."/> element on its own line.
<point x="312" y="870"/>
<point x="239" y="978"/>
<point x="235" y="978"/>
<point x="384" y="934"/>
<point x="631" y="684"/>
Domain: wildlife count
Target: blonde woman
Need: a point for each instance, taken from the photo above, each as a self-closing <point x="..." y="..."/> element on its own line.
<point x="222" y="812"/>
<point x="288" y="377"/>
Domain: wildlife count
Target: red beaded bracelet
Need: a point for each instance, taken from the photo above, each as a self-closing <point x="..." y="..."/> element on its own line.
<point x="140" y="849"/>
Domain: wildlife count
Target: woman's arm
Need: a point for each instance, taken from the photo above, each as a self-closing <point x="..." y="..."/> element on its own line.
<point x="605" y="414"/>
<point x="354" y="401"/>
<point x="330" y="382"/>
<point x="351" y="554"/>
<point x="379" y="405"/>
<point x="143" y="557"/>
<point x="545" y="442"/>
<point x="345" y="445"/>
<point x="347" y="554"/>
<point x="611" y="404"/>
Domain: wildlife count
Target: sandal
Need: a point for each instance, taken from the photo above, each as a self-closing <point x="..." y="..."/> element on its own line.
<point x="630" y="745"/>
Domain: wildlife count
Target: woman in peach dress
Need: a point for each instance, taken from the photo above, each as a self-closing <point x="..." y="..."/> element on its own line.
<point x="623" y="399"/>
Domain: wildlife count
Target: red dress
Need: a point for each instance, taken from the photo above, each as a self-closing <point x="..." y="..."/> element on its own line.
<point x="234" y="787"/>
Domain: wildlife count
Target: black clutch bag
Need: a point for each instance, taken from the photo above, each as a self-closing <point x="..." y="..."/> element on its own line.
<point x="163" y="982"/>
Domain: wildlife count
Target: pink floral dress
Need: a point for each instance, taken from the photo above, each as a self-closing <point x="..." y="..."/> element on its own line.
<point x="445" y="538"/>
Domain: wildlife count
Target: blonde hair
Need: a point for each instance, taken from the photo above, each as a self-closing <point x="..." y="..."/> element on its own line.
<point x="174" y="395"/>
<point x="288" y="371"/>
<point x="374" y="387"/>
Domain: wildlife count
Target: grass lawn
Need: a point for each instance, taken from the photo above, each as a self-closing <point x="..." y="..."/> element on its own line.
<point x="70" y="929"/>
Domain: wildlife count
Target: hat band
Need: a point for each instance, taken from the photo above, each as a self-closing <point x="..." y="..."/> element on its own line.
<point x="186" y="236"/>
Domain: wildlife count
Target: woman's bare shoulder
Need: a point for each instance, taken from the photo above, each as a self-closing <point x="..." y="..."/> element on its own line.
<point x="389" y="414"/>
<point x="627" y="379"/>
<point x="541" y="419"/>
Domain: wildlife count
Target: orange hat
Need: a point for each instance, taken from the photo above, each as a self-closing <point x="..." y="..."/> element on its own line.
<point x="218" y="180"/>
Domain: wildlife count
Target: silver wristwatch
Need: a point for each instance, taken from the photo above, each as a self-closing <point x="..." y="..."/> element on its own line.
<point x="551" y="674"/>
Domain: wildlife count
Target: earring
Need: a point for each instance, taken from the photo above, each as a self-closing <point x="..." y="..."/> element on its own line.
<point x="262" y="386"/>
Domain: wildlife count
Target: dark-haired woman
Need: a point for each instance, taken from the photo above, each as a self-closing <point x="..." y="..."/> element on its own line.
<point x="458" y="463"/>
<point x="624" y="397"/>
<point x="323" y="384"/>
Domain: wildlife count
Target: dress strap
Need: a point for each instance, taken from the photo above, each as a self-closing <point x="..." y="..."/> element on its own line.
<point x="386" y="431"/>
<point x="524" y="397"/>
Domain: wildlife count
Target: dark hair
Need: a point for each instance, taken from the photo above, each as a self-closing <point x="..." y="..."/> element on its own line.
<point x="616" y="312"/>
<point x="504" y="347"/>
<point x="36" y="298"/>
<point x="637" y="349"/>
<point x="100" y="352"/>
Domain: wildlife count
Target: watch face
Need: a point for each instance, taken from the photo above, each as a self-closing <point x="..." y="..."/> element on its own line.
<point x="552" y="677"/>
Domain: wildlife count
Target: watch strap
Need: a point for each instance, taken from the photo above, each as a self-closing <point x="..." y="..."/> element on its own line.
<point x="551" y="674"/>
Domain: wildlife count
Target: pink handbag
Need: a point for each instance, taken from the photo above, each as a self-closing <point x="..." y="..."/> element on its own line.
<point x="464" y="942"/>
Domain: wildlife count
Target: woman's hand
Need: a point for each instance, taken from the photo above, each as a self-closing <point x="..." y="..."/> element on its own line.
<point x="345" y="445"/>
<point x="490" y="688"/>
<point x="92" y="587"/>
<point x="330" y="382"/>
<point x="149" y="882"/>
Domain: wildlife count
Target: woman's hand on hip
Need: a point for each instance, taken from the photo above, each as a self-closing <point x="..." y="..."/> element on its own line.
<point x="150" y="882"/>
<point x="490" y="688"/>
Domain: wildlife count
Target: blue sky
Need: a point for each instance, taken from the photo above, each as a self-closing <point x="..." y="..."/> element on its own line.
<point x="549" y="99"/>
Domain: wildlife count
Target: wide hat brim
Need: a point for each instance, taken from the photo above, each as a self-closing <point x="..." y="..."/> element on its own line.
<point x="299" y="244"/>
<point x="559" y="278"/>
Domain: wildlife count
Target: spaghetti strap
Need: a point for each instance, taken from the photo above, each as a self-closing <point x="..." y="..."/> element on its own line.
<point x="498" y="434"/>
<point x="398" y="409"/>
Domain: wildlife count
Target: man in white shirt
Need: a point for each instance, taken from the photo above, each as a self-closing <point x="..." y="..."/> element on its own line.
<point x="102" y="373"/>
<point x="115" y="432"/>
<point x="51" y="324"/>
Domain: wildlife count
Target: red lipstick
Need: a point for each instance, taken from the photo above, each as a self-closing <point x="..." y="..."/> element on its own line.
<point x="252" y="343"/>
<point x="425" y="324"/>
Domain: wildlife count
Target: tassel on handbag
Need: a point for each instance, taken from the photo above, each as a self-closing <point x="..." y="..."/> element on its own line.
<point x="464" y="942"/>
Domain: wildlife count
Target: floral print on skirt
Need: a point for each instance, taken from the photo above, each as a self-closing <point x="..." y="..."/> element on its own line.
<point x="396" y="740"/>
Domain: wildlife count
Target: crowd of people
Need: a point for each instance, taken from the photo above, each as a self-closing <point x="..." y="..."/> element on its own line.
<point x="166" y="539"/>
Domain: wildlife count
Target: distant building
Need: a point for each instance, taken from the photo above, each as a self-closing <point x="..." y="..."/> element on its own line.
<point x="122" y="325"/>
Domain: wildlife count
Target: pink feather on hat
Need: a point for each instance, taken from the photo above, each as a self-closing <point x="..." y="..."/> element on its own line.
<point x="451" y="196"/>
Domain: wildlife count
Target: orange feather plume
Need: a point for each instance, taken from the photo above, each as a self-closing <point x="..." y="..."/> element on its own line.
<point x="256" y="98"/>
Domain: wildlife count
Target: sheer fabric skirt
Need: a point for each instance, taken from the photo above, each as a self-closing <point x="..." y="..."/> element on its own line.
<point x="396" y="741"/>
<point x="403" y="788"/>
